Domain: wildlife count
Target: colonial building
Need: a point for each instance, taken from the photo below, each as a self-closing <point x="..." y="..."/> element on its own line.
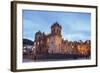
<point x="50" y="43"/>
<point x="53" y="43"/>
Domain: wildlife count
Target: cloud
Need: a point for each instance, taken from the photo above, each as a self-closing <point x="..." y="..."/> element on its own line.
<point x="76" y="37"/>
<point x="75" y="26"/>
<point x="29" y="29"/>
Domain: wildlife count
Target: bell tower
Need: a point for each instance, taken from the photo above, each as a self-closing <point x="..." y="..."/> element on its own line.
<point x="56" y="29"/>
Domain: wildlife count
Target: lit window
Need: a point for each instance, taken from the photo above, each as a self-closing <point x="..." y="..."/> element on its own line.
<point x="38" y="43"/>
<point x="47" y="40"/>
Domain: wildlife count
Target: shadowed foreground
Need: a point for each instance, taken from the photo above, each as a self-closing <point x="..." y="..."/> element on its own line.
<point x="55" y="57"/>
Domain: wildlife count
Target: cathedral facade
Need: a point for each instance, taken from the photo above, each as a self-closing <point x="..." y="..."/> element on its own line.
<point x="53" y="43"/>
<point x="50" y="43"/>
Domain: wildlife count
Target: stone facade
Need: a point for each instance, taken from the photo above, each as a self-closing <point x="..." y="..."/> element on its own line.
<point x="53" y="43"/>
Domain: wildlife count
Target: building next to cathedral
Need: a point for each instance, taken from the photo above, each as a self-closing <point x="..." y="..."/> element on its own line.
<point x="53" y="43"/>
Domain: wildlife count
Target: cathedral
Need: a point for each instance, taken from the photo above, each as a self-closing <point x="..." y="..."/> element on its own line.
<point x="50" y="43"/>
<point x="53" y="43"/>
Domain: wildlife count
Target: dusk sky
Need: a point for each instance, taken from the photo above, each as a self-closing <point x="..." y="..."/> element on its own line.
<point x="75" y="26"/>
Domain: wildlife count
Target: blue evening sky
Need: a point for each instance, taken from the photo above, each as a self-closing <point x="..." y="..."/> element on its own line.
<point x="75" y="25"/>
